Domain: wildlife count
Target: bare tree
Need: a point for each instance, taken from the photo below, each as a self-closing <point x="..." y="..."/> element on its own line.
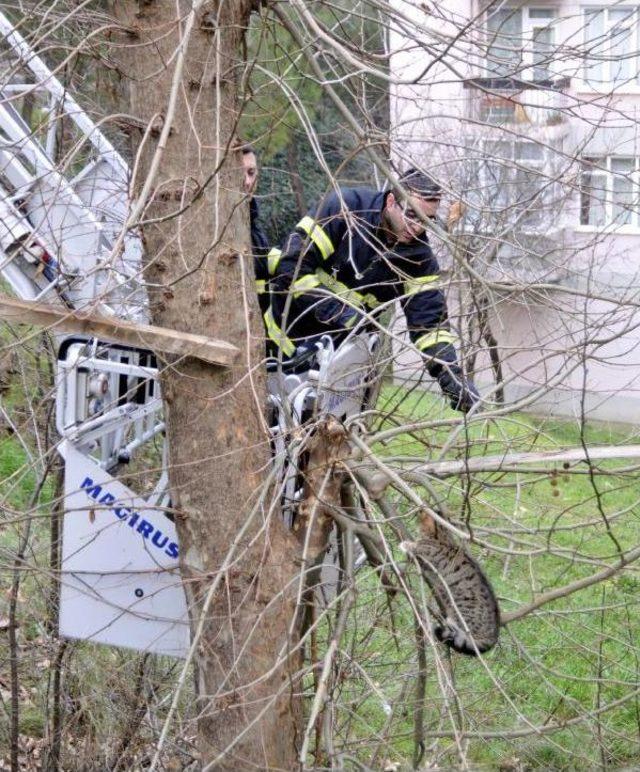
<point x="283" y="673"/>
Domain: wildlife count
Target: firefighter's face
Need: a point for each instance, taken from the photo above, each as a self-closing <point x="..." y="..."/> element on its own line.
<point x="250" y="167"/>
<point x="404" y="218"/>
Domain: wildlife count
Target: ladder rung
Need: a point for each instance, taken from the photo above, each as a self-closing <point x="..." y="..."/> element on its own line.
<point x="85" y="171"/>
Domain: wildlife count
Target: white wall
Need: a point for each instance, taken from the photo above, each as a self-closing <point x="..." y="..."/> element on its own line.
<point x="550" y="337"/>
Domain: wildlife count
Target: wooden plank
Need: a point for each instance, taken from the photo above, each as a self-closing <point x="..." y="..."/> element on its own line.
<point x="216" y="352"/>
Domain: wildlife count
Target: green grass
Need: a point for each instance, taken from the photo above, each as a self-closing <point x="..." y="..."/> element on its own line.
<point x="559" y="664"/>
<point x="565" y="661"/>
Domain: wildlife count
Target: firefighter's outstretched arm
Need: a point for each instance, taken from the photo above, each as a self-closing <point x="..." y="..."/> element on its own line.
<point x="427" y="319"/>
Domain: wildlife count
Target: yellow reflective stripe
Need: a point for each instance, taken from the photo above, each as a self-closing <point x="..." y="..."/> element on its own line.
<point x="437" y="336"/>
<point x="318" y="235"/>
<point x="304" y="284"/>
<point x="273" y="258"/>
<point x="276" y="335"/>
<point x="351" y="321"/>
<point x="419" y="284"/>
<point x="344" y="292"/>
<point x="261" y="286"/>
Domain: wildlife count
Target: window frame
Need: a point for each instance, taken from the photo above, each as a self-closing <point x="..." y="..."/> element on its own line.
<point x="528" y="27"/>
<point x="602" y="166"/>
<point x="607" y="83"/>
<point x="528" y="31"/>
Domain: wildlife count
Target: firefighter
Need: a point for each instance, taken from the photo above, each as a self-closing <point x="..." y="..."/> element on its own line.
<point x="359" y="250"/>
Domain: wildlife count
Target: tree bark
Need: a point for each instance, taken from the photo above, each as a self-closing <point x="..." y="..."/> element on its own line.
<point x="198" y="265"/>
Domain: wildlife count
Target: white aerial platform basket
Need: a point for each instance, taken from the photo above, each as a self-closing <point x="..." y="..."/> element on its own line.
<point x="119" y="572"/>
<point x="119" y="568"/>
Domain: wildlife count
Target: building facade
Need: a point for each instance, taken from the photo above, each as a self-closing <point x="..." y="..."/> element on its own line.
<point x="530" y="114"/>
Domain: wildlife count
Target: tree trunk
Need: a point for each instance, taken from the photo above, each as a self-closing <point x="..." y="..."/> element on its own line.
<point x="198" y="264"/>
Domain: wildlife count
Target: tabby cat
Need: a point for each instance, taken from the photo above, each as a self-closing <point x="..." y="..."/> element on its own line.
<point x="469" y="617"/>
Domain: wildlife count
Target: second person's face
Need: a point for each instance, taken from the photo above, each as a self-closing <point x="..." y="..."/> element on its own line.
<point x="250" y="168"/>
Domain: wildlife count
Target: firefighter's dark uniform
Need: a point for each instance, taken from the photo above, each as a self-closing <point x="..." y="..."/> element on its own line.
<point x="260" y="250"/>
<point x="339" y="249"/>
<point x="336" y="262"/>
<point x="264" y="261"/>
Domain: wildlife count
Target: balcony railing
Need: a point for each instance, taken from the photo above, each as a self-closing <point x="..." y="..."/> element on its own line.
<point x="509" y="101"/>
<point x="531" y="259"/>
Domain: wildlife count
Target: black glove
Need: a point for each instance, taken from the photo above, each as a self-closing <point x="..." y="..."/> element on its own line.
<point x="461" y="392"/>
<point x="442" y="364"/>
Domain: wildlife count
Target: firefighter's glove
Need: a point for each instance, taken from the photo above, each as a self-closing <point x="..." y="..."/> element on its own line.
<point x="460" y="391"/>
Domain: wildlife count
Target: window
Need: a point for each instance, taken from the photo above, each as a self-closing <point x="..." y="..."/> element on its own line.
<point x="515" y="184"/>
<point x="611" y="45"/>
<point x="609" y="191"/>
<point x="498" y="110"/>
<point x="520" y="42"/>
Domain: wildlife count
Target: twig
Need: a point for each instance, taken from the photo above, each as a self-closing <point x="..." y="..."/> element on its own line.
<point x="569" y="589"/>
<point x="420" y="693"/>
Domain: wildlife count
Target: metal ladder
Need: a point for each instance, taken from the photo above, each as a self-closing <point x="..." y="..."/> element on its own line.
<point x="63" y="210"/>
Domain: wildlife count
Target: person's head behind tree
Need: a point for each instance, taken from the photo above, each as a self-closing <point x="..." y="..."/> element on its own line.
<point x="250" y="169"/>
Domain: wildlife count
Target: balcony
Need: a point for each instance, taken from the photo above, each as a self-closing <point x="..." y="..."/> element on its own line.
<point x="525" y="259"/>
<point x="518" y="206"/>
<point x="513" y="102"/>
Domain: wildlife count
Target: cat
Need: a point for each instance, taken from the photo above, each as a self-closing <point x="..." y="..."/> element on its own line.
<point x="469" y="614"/>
